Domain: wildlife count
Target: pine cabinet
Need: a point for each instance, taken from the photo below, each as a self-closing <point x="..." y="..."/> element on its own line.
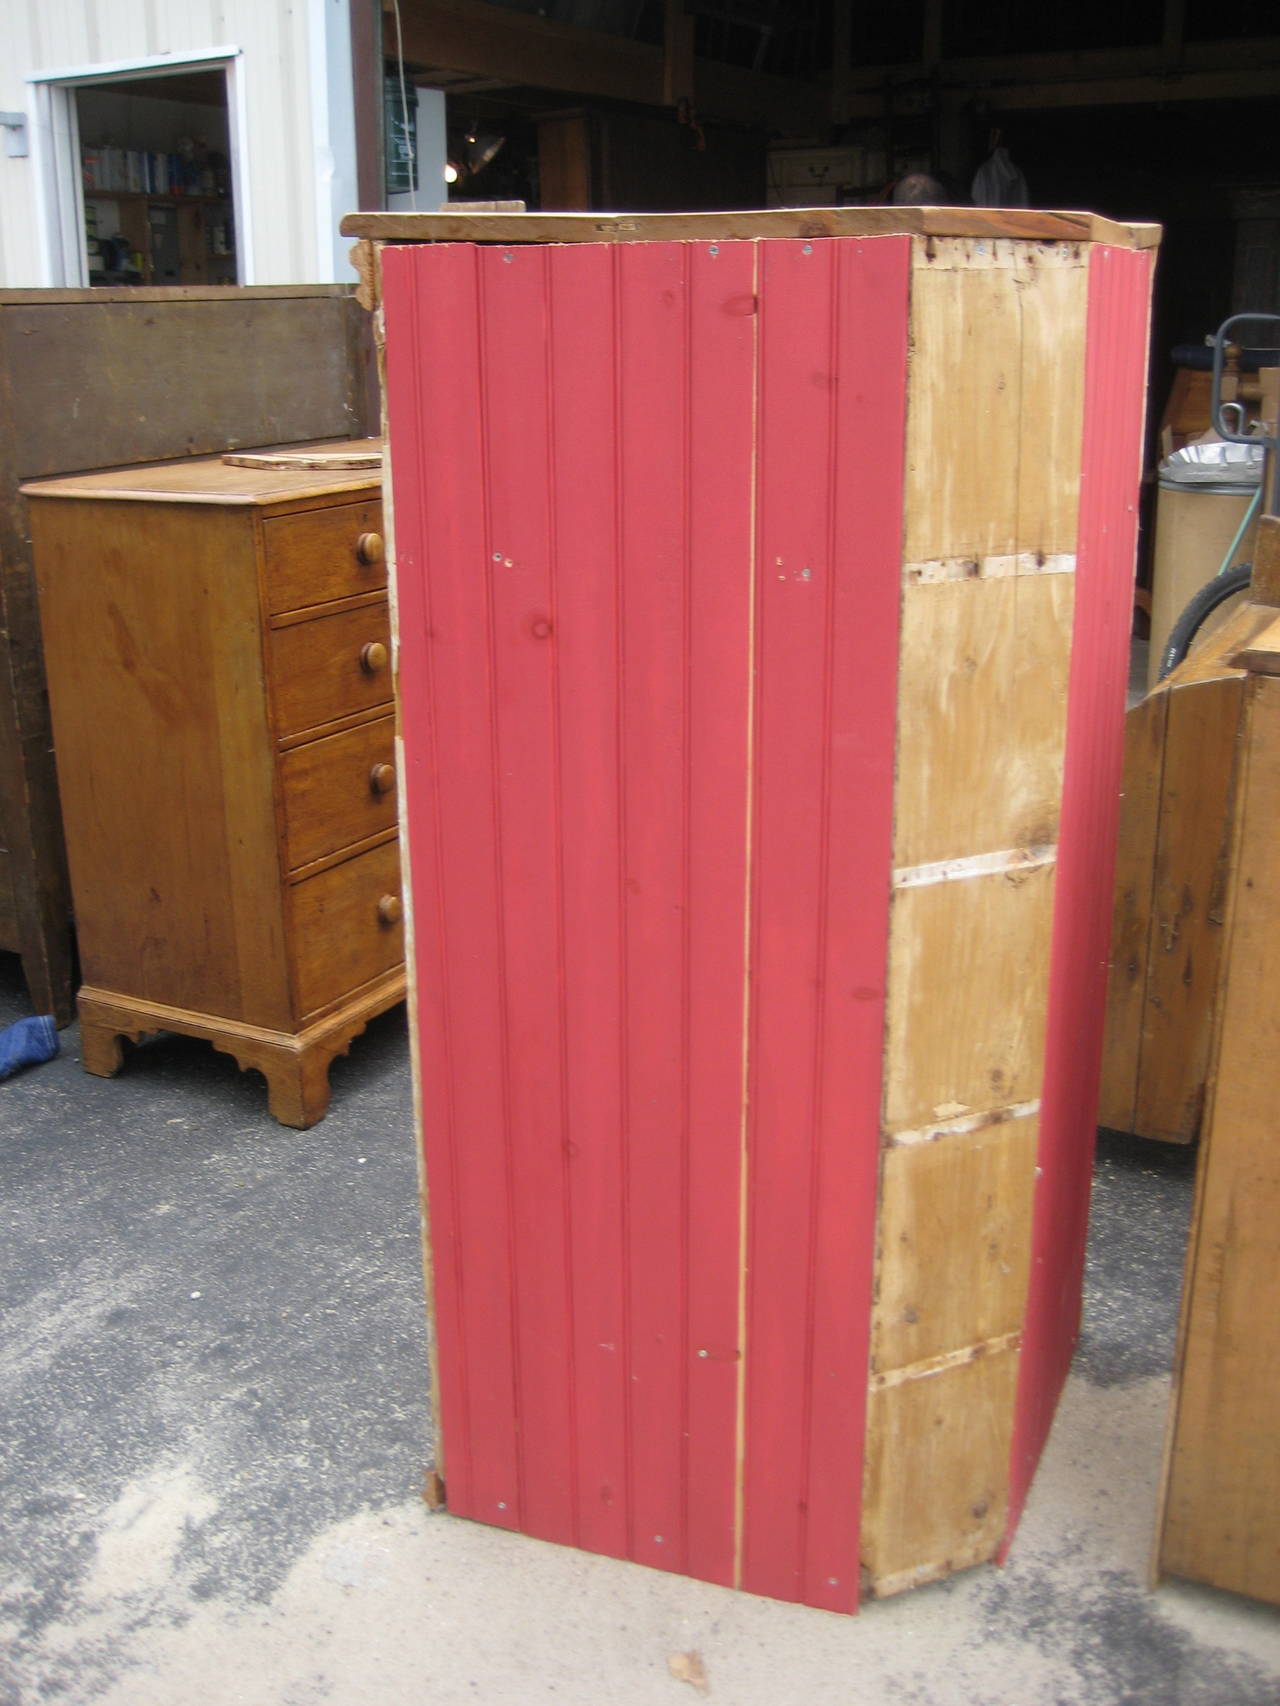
<point x="764" y="609"/>
<point x="218" y="652"/>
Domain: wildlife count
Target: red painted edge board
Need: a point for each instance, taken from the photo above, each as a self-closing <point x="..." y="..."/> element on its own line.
<point x="434" y="393"/>
<point x="571" y="434"/>
<point x="722" y="337"/>
<point x="833" y="330"/>
<point x="1111" y="466"/>
<point x="580" y="1033"/>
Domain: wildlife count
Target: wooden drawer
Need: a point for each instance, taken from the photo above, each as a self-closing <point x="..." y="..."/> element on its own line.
<point x="339" y="790"/>
<point x="321" y="554"/>
<point x="341" y="938"/>
<point x="322" y="668"/>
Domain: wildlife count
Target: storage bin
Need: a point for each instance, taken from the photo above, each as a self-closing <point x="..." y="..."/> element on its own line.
<point x="1195" y="527"/>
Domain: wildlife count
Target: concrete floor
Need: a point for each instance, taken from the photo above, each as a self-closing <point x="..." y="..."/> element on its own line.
<point x="214" y="1425"/>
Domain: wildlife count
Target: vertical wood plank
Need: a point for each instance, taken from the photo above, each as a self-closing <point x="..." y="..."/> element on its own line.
<point x="1187" y="899"/>
<point x="652" y="336"/>
<point x="722" y="331"/>
<point x="833" y="343"/>
<point x="1115" y="374"/>
<point x="1166" y="923"/>
<point x="521" y="577"/>
<point x="446" y="708"/>
<point x="962" y="483"/>
<point x="993" y="441"/>
<point x="795" y="574"/>
<point x="1050" y="292"/>
<point x="585" y="451"/>
<point x="992" y="453"/>
<point x="578" y="700"/>
<point x="1137" y="837"/>
<point x="872" y="287"/>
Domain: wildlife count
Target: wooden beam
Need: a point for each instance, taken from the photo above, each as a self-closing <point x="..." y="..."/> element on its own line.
<point x="1082" y="65"/>
<point x="490" y="41"/>
<point x="519" y="49"/>
<point x="984" y="222"/>
<point x="366" y="80"/>
<point x="1261" y="83"/>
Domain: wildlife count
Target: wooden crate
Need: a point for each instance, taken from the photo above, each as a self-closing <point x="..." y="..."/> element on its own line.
<point x="99" y="379"/>
<point x="1171" y="872"/>
<point x="760" y="807"/>
<point x="1220" y="1501"/>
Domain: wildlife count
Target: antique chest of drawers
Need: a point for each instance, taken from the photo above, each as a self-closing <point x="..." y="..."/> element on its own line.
<point x="218" y="652"/>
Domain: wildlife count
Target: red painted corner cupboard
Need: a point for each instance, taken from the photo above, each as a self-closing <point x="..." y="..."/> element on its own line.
<point x="763" y="586"/>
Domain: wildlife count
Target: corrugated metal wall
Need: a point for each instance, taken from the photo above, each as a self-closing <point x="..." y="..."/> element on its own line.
<point x="280" y="168"/>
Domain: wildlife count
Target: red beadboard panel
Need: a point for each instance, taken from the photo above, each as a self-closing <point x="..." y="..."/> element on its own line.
<point x="654" y="667"/>
<point x="831" y="418"/>
<point x="1111" y="466"/>
<point x="581" y="323"/>
<point x="722" y="334"/>
<point x="521" y="583"/>
<point x="608" y="585"/>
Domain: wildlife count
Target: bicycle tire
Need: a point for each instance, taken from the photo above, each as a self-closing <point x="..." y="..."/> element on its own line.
<point x="1202" y="605"/>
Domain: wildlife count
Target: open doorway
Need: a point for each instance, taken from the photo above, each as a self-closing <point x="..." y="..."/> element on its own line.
<point x="155" y="158"/>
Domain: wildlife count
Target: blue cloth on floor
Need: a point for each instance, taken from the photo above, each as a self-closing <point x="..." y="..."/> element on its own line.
<point x="27" y="1043"/>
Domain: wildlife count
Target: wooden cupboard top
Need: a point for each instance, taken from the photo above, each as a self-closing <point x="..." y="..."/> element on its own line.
<point x="1029" y="223"/>
<point x="209" y="480"/>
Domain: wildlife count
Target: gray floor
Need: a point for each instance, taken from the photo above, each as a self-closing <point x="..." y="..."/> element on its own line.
<point x="213" y="1430"/>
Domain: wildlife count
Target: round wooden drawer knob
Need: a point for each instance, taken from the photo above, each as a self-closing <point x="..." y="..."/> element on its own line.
<point x="373" y="657"/>
<point x="382" y="778"/>
<point x="370" y="549"/>
<point x="390" y="909"/>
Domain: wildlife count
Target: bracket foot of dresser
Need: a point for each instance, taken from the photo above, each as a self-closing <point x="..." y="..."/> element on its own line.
<point x="295" y="1066"/>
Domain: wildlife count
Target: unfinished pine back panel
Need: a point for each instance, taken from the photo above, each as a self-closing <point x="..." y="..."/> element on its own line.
<point x="1181" y="743"/>
<point x="1220" y="1502"/>
<point x="760" y="811"/>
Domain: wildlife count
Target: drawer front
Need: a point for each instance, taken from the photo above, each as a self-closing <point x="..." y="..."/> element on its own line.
<point x="323" y="554"/>
<point x="330" y="666"/>
<point x="339" y="789"/>
<point x="346" y="926"/>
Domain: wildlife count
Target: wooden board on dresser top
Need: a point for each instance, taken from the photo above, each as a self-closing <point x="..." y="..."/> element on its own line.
<point x="183" y="725"/>
<point x="198" y="369"/>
